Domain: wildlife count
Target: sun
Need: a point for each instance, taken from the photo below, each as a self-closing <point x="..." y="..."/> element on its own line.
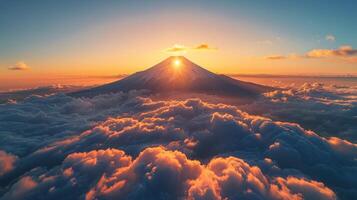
<point x="177" y="63"/>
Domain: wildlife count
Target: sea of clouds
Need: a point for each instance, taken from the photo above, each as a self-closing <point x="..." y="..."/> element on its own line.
<point x="128" y="146"/>
<point x="329" y="110"/>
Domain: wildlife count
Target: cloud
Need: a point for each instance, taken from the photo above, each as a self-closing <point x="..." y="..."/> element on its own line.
<point x="282" y="57"/>
<point x="275" y="57"/>
<point x="158" y="173"/>
<point x="308" y="189"/>
<point x="130" y="147"/>
<point x="39" y="120"/>
<point x="182" y="49"/>
<point x="19" y="66"/>
<point x="7" y="162"/>
<point x="330" y="38"/>
<point x="313" y="105"/>
<point x="78" y="172"/>
<point x="204" y="47"/>
<point x="343" y="51"/>
<point x="21" y="189"/>
<point x="17" y="95"/>
<point x="177" y="48"/>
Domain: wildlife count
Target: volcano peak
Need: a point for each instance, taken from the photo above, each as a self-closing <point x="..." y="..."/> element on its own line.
<point x="177" y="73"/>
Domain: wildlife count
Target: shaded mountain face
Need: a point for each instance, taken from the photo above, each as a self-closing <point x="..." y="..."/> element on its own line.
<point x="178" y="74"/>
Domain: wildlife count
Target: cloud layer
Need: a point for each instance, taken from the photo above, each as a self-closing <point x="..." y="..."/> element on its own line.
<point x="38" y="120"/>
<point x="330" y="110"/>
<point x="130" y="147"/>
<point x="157" y="173"/>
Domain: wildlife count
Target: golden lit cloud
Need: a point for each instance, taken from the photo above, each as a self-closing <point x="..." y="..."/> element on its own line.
<point x="177" y="48"/>
<point x="344" y="53"/>
<point x="204" y="47"/>
<point x="19" y="66"/>
<point x="275" y="57"/>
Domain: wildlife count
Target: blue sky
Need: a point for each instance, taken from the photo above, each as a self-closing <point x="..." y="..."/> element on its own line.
<point x="26" y="24"/>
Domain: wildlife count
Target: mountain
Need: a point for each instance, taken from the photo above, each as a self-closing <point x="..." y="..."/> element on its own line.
<point x="178" y="74"/>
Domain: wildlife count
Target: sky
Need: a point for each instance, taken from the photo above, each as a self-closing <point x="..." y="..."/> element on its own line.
<point x="44" y="41"/>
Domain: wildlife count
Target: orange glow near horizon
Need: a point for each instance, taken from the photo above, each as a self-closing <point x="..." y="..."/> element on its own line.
<point x="115" y="46"/>
<point x="99" y="70"/>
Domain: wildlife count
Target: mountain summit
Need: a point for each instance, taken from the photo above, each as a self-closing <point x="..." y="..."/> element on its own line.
<point x="178" y="74"/>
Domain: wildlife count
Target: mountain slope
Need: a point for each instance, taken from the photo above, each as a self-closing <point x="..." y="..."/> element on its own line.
<point x="177" y="73"/>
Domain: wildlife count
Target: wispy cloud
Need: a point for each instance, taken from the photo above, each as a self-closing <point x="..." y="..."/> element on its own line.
<point x="276" y="57"/>
<point x="330" y="38"/>
<point x="204" y="47"/>
<point x="344" y="53"/>
<point x="177" y="48"/>
<point x="19" y="66"/>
